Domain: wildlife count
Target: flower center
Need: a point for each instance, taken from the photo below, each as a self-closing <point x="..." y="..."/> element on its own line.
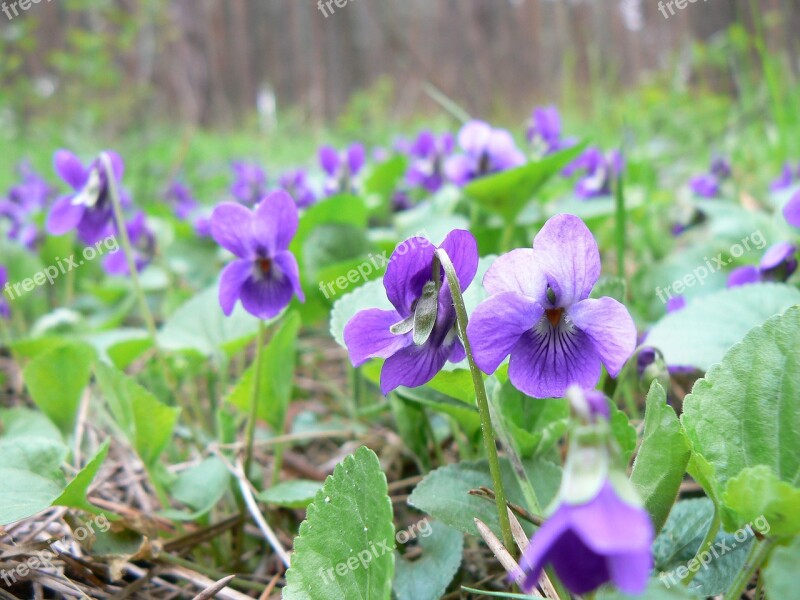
<point x="264" y="265"/>
<point x="554" y="315"/>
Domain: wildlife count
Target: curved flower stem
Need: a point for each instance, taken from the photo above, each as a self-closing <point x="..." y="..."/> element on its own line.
<point x="125" y="241"/>
<point x="482" y="400"/>
<point x="707" y="542"/>
<point x="758" y="554"/>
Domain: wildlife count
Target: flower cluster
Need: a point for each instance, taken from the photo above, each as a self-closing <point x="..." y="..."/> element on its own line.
<point x="427" y="156"/>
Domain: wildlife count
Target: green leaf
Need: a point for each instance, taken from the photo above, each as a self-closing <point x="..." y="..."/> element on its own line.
<point x="700" y="334"/>
<point x="146" y="422"/>
<point x="74" y="495"/>
<point x="662" y="458"/>
<point x="465" y="414"/>
<point x="345" y="546"/>
<point x="507" y="193"/>
<point x="333" y="244"/>
<point x="383" y="179"/>
<point x="344" y="209"/>
<point x="120" y="347"/>
<point x="756" y="494"/>
<point x="200" y="326"/>
<point x="780" y="575"/>
<point x="444" y="493"/>
<point x="746" y="411"/>
<point x="25" y="494"/>
<point x="56" y="381"/>
<point x="427" y="577"/>
<point x="277" y="375"/>
<point x="200" y="487"/>
<point x="411" y="422"/>
<point x="680" y="539"/>
<point x="534" y="425"/>
<point x="298" y="493"/>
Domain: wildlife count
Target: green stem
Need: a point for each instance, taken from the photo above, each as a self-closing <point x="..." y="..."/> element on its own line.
<point x="122" y="231"/>
<point x="619" y="202"/>
<point x="758" y="554"/>
<point x="482" y="400"/>
<point x="249" y="436"/>
<point x="5" y="334"/>
<point x="711" y="535"/>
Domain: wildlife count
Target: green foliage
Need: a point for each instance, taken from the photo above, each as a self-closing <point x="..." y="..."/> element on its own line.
<point x="297" y="493"/>
<point x="745" y="414"/>
<point x="662" y="458"/>
<point x="676" y="546"/>
<point x="56" y="381"/>
<point x="700" y="334"/>
<point x="146" y="422"/>
<point x="276" y="375"/>
<point x="348" y="529"/>
<point x="444" y="493"/>
<point x="427" y="578"/>
<point x="507" y="193"/>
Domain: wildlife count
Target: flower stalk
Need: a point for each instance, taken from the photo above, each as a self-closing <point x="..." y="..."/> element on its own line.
<point x="482" y="399"/>
<point x="127" y="249"/>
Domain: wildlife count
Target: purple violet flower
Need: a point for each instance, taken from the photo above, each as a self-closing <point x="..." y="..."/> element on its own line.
<point x="202" y="226"/>
<point x="544" y="131"/>
<point x="709" y="185"/>
<point x="485" y="150"/>
<point x="33" y="192"/>
<point x="605" y="539"/>
<point x="599" y="531"/>
<point x="778" y="264"/>
<point x="181" y="198"/>
<point x="143" y="244"/>
<point x="5" y="311"/>
<point x="791" y="212"/>
<point x="89" y="208"/>
<point x="250" y="183"/>
<point x="264" y="275"/>
<point x="295" y="183"/>
<point x="539" y="312"/>
<point x="786" y="179"/>
<point x="428" y="154"/>
<point x="342" y="168"/>
<point x="600" y="170"/>
<point x="414" y="353"/>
